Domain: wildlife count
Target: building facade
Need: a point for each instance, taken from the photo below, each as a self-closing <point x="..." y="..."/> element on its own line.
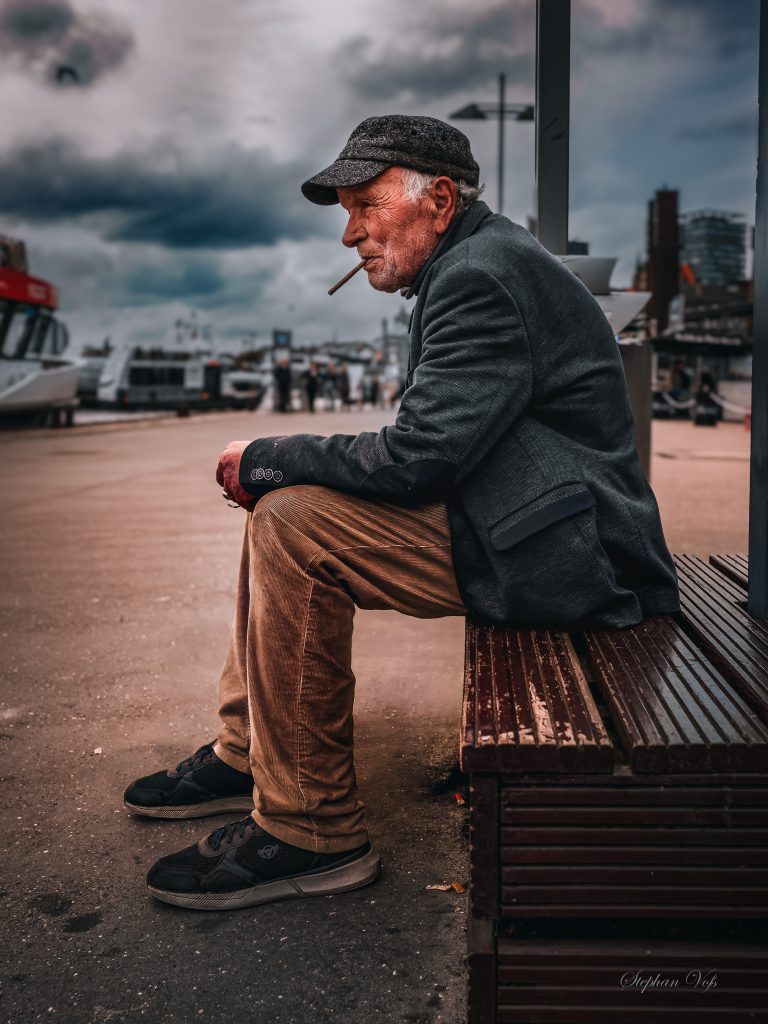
<point x="714" y="245"/>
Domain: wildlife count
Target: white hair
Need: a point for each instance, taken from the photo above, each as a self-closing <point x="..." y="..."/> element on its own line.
<point x="416" y="183"/>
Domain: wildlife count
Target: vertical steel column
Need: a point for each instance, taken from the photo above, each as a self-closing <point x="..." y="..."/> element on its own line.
<point x="502" y="116"/>
<point x="553" y="79"/>
<point x="758" y="473"/>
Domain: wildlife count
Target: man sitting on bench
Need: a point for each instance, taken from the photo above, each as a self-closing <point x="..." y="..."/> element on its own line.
<point x="509" y="488"/>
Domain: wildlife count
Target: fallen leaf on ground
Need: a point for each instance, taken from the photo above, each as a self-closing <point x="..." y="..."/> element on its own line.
<point x="446" y="887"/>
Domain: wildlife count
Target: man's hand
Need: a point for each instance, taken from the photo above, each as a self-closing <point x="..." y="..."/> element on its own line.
<point x="228" y="475"/>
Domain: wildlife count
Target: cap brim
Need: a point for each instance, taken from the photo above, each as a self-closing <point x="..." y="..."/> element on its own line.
<point x="341" y="174"/>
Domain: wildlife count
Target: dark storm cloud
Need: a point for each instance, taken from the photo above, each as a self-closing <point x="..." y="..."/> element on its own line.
<point x="735" y="126"/>
<point x="729" y="28"/>
<point x="469" y="48"/>
<point x="90" y="275"/>
<point x="199" y="280"/>
<point x="238" y="198"/>
<point x="678" y="27"/>
<point x="51" y="39"/>
<point x="148" y="283"/>
<point x="466" y="48"/>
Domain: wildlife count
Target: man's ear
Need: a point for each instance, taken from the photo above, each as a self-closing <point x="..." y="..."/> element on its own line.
<point x="444" y="196"/>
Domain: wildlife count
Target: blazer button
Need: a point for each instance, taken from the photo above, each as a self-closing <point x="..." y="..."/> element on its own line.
<point x="277" y="476"/>
<point x="257" y="474"/>
<point x="268" y="474"/>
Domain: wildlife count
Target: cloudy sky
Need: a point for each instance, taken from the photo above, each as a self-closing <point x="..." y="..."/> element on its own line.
<point x="152" y="153"/>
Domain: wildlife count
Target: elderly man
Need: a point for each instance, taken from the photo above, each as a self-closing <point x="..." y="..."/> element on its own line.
<point x="508" y="488"/>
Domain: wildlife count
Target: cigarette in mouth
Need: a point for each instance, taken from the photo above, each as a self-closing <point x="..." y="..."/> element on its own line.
<point x="346" y="277"/>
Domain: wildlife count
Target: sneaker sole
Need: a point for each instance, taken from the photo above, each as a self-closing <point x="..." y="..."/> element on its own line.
<point x="202" y="810"/>
<point x="325" y="883"/>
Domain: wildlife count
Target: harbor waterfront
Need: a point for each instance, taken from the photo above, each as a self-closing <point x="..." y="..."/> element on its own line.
<point x="119" y="563"/>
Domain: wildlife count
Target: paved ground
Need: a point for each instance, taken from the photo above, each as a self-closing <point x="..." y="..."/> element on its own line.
<point x="118" y="561"/>
<point x="701" y="479"/>
<point x="118" y="565"/>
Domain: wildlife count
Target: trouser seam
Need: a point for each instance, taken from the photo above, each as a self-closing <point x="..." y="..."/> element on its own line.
<point x="299" y="717"/>
<point x="385" y="547"/>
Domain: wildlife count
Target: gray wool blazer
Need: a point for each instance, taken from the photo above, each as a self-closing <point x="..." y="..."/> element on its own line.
<point x="516" y="415"/>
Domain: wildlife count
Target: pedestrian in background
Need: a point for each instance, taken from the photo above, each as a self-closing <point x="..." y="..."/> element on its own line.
<point x="311" y="384"/>
<point x="283" y="384"/>
<point x="343" y="387"/>
<point x="373" y="390"/>
<point x="329" y="387"/>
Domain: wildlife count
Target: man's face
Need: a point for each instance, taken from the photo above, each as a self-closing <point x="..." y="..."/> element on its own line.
<point x="393" y="234"/>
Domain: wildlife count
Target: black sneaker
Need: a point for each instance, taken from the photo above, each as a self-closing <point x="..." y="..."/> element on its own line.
<point x="196" y="788"/>
<point x="241" y="865"/>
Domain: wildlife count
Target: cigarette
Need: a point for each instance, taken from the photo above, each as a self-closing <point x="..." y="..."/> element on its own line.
<point x="346" y="277"/>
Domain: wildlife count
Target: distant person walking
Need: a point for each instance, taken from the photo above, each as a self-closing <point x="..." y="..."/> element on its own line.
<point x="311" y="384"/>
<point x="371" y="390"/>
<point x="283" y="384"/>
<point x="706" y="411"/>
<point x="329" y="387"/>
<point x="343" y="387"/>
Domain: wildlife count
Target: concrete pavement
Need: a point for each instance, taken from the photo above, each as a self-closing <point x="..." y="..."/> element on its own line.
<point x="118" y="560"/>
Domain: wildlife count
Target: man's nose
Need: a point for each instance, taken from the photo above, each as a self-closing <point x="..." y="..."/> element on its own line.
<point x="354" y="232"/>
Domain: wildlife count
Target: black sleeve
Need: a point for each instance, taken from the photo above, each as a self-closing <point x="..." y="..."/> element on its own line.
<point x="472" y="381"/>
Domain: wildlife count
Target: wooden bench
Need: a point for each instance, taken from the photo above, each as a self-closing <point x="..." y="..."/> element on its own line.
<point x="618" y="821"/>
<point x="735" y="567"/>
<point x="714" y="611"/>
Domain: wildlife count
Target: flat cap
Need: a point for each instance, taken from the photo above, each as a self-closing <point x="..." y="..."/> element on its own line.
<point x="395" y="140"/>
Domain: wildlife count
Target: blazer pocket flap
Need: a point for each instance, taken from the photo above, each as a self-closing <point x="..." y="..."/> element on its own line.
<point x="548" y="508"/>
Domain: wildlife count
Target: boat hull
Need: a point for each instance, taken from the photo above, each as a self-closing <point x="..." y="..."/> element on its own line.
<point x="33" y="385"/>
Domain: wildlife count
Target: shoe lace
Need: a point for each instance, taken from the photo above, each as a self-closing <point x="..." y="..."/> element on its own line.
<point x="197" y="759"/>
<point x="227" y="833"/>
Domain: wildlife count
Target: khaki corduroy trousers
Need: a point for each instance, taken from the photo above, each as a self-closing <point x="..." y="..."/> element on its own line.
<point x="286" y="693"/>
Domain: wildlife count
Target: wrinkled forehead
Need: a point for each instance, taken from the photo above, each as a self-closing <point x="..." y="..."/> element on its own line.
<point x="377" y="188"/>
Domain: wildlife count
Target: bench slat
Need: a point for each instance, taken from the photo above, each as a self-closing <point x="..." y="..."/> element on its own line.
<point x="650" y="795"/>
<point x="633" y="835"/>
<point x="663" y="910"/>
<point x="527" y="705"/>
<point x="688" y="856"/>
<point x="674" y="710"/>
<point x="621" y="875"/>
<point x="542" y="1013"/>
<point x="515" y="897"/>
<point x="659" y="999"/>
<point x="575" y="815"/>
<point x="608" y="955"/>
<point x="735" y="567"/>
<point x="712" y="609"/>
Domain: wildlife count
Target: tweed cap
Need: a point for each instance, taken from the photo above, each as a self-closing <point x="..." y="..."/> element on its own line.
<point x="395" y="140"/>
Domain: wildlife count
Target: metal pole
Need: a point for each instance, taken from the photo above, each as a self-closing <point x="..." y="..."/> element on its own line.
<point x="502" y="84"/>
<point x="553" y="74"/>
<point x="758" y="472"/>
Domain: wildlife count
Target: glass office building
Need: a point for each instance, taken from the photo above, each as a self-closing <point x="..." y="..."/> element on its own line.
<point x="714" y="244"/>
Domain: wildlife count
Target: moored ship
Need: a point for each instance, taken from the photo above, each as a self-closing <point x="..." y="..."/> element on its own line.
<point x="38" y="379"/>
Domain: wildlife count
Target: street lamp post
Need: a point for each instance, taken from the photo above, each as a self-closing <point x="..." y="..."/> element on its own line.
<point x="502" y="110"/>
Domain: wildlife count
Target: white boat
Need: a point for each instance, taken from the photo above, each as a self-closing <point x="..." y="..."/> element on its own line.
<point x="92" y="361"/>
<point x="36" y="374"/>
<point x="242" y="387"/>
<point x="159" y="377"/>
